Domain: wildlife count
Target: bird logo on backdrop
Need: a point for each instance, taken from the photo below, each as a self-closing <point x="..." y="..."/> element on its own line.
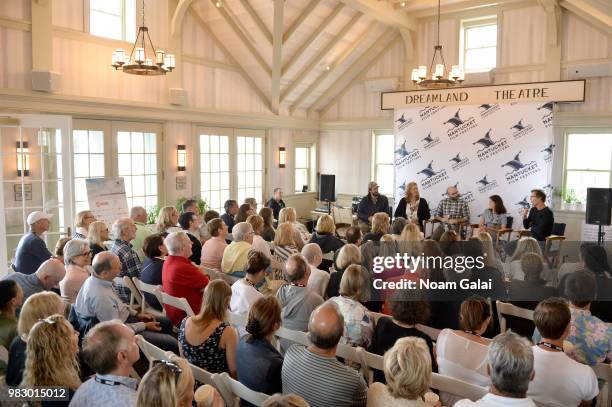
<point x="549" y="149"/>
<point x="515" y="163"/>
<point x="483" y="181"/>
<point x="458" y="162"/>
<point x="486" y="185"/>
<point x="428" y="139"/>
<point x="401" y="119"/>
<point x="520" y="170"/>
<point x="485" y="106"/>
<point x="485" y="141"/>
<point x="547" y="106"/>
<point x="523" y="204"/>
<point x="455" y="121"/>
<point x="402" y="152"/>
<point x="518" y="126"/>
<point x="428" y="171"/>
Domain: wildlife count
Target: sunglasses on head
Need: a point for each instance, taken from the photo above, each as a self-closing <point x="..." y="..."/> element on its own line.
<point x="170" y="366"/>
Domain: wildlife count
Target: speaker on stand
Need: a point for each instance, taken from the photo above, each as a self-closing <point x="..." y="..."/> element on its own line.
<point x="599" y="209"/>
<point x="327" y="189"/>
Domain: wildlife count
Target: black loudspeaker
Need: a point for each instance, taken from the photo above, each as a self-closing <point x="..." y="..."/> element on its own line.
<point x="599" y="206"/>
<point x="327" y="187"/>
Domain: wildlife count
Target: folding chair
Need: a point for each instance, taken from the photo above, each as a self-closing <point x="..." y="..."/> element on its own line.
<point x="429" y="331"/>
<point x="180" y="303"/>
<point x="237" y="319"/>
<point x="293" y="336"/>
<point x="368" y="362"/>
<point x="135" y="295"/>
<point x="205" y="377"/>
<point x="153" y="290"/>
<point x="151" y="351"/>
<point x="604" y="371"/>
<point x="238" y="391"/>
<point x="504" y="308"/>
<point x="457" y="387"/>
<point x="552" y="254"/>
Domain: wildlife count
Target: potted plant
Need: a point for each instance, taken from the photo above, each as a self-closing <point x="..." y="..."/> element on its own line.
<point x="202" y="205"/>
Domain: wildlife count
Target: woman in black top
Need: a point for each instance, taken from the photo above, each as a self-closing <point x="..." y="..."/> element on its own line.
<point x="324" y="236"/>
<point x="268" y="232"/>
<point x="96" y="236"/>
<point x="412" y="206"/>
<point x="155" y="252"/>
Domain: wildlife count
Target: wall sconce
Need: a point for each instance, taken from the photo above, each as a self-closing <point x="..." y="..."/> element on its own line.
<point x="181" y="157"/>
<point x="282" y="157"/>
<point x="23" y="159"/>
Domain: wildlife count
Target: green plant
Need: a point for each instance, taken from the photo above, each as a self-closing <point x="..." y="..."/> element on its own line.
<point x="152" y="213"/>
<point x="569" y="196"/>
<point x="202" y="205"/>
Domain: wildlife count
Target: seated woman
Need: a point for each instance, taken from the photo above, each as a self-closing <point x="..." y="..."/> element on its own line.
<point x="495" y="216"/>
<point x="167" y="221"/>
<point x="284" y="242"/>
<point x="358" y="327"/>
<point x="58" y="251"/>
<point x="77" y="258"/>
<point x="52" y="349"/>
<point x="259" y="244"/>
<point x="244" y="212"/>
<point x="349" y="254"/>
<point x="268" y="231"/>
<point x="155" y="252"/>
<point x="412" y="207"/>
<point x="97" y="235"/>
<point x="206" y="340"/>
<point x="380" y="227"/>
<point x="212" y="250"/>
<point x="11" y="298"/>
<point x="463" y="354"/>
<point x="325" y="237"/>
<point x="258" y="363"/>
<point x="408" y="373"/>
<point x="491" y="257"/>
<point x="301" y="234"/>
<point x="244" y="291"/>
<point x="168" y="383"/>
<point x="513" y="264"/>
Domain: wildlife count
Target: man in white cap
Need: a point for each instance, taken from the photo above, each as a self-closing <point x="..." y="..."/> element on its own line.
<point x="32" y="250"/>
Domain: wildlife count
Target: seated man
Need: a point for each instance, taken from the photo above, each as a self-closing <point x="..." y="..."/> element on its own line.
<point x="123" y="232"/>
<point x="318" y="279"/>
<point x="452" y="212"/>
<point x="98" y="302"/>
<point x="139" y="216"/>
<point x="235" y="256"/>
<point x="370" y="204"/>
<point x="510" y="365"/>
<point x="231" y="209"/>
<point x="559" y="380"/>
<point x="539" y="219"/>
<point x="109" y="349"/>
<point x="48" y="276"/>
<point x="314" y="373"/>
<point x="180" y="278"/>
<point x="190" y="223"/>
<point x="32" y="250"/>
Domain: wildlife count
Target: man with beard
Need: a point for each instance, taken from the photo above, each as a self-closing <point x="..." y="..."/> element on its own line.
<point x="452" y="212"/>
<point x="370" y="204"/>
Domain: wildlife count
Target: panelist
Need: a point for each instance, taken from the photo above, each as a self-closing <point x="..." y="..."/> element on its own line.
<point x="452" y="212"/>
<point x="495" y="216"/>
<point x="412" y="206"/>
<point x="370" y="204"/>
<point x="539" y="219"/>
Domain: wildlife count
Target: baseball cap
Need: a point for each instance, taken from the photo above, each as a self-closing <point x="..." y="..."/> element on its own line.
<point x="372" y="184"/>
<point x="38" y="215"/>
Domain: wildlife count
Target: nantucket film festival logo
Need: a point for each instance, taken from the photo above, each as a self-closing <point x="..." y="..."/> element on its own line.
<point x="459" y="125"/>
<point x="519" y="170"/>
<point x="458" y="162"/>
<point x="490" y="147"/>
<point x="406" y="157"/>
<point x="430" y="141"/>
<point x="402" y="122"/>
<point x="432" y="177"/>
<point x="522" y="205"/>
<point x="547" y="114"/>
<point x="429" y="111"/>
<point x="485" y="184"/>
<point x="487" y="110"/>
<point x="548" y="153"/>
<point x="520" y="129"/>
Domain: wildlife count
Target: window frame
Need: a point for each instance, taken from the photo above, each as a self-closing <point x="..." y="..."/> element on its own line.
<point x="467" y="24"/>
<point x="311" y="164"/>
<point x="124" y="22"/>
<point x="375" y="163"/>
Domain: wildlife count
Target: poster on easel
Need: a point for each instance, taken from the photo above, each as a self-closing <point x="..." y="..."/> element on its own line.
<point x="107" y="199"/>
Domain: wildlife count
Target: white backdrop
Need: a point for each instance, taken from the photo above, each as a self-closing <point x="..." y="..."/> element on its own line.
<point x="503" y="149"/>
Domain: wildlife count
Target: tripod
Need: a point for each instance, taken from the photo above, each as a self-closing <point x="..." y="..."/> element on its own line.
<point x="600" y="235"/>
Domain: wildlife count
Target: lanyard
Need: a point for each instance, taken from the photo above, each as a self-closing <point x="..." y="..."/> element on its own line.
<point x="551" y="346"/>
<point x="298" y="285"/>
<point x="108" y="382"/>
<point x="472" y="333"/>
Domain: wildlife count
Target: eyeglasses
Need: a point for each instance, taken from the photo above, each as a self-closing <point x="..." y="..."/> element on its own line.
<point x="48" y="320"/>
<point x="171" y="366"/>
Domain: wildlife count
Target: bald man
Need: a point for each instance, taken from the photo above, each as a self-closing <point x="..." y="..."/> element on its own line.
<point x="48" y="276"/>
<point x="139" y="215"/>
<point x="314" y="373"/>
<point x="452" y="211"/>
<point x="318" y="279"/>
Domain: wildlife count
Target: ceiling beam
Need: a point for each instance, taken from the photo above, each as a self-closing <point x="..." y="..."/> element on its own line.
<point x="231" y="58"/>
<point x="592" y="11"/>
<point x="224" y="10"/>
<point x="277" y="46"/>
<point x="463" y="6"/>
<point x="260" y="24"/>
<point x="324" y="24"/>
<point x="383" y="12"/>
<point x="176" y="23"/>
<point x="357" y="69"/>
<point x="316" y="60"/>
<point x="335" y="67"/>
<point x="298" y="21"/>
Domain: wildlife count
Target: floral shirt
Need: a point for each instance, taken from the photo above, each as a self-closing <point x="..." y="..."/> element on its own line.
<point x="358" y="327"/>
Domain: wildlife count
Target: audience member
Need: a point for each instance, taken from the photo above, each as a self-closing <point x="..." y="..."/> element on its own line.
<point x="349" y="254"/>
<point x="51" y="356"/>
<point x="123" y="232"/>
<point x="539" y="219"/>
<point x="285" y="400"/>
<point x="318" y="279"/>
<point x="559" y="381"/>
<point x="167" y="220"/>
<point x="354" y="236"/>
<point x="180" y="278"/>
<point x="204" y="232"/>
<point x="190" y="205"/>
<point x="532" y="289"/>
<point x="32" y="251"/>
<point x="491" y="256"/>
<point x="208" y="396"/>
<point x="82" y="220"/>
<point x="235" y="256"/>
<point x="397" y="226"/>
<point x="110" y="350"/>
<point x="412" y="207"/>
<point x="325" y="235"/>
<point x="372" y="203"/>
<point x="258" y="363"/>
<point x="408" y="374"/>
<point x="244" y="291"/>
<point x="98" y="302"/>
<point x="77" y="258"/>
<point x="38" y="306"/>
<point x="190" y="223"/>
<point x="510" y="366"/>
<point x="155" y="252"/>
<point x="301" y="234"/>
<point x="284" y="242"/>
<point x="380" y="227"/>
<point x="206" y="340"/>
<point x="58" y="251"/>
<point x="231" y="209"/>
<point x="96" y="236"/>
<point x="276" y="203"/>
<point x="213" y="248"/>
<point x="410" y="241"/>
<point x="253" y="203"/>
<point x="463" y="354"/>
<point x="358" y="327"/>
<point x="47" y="277"/>
<point x="314" y="373"/>
<point x="139" y="215"/>
<point x="268" y="231"/>
<point x="524" y="245"/>
<point x="259" y="243"/>
<point x="168" y="383"/>
<point x="244" y="211"/>
<point x="11" y="298"/>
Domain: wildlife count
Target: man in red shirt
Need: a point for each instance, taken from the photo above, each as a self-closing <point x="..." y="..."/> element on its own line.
<point x="180" y="278"/>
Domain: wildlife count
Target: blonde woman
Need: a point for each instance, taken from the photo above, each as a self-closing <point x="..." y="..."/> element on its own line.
<point x="410" y="240"/>
<point x="207" y="340"/>
<point x="82" y="221"/>
<point x="412" y="206"/>
<point x="513" y="267"/>
<point x="259" y="244"/>
<point x="285" y="400"/>
<point x="491" y="258"/>
<point x="77" y="258"/>
<point x="167" y="220"/>
<point x="38" y="306"/>
<point x="325" y="235"/>
<point x="169" y="383"/>
<point x="98" y="234"/>
<point x="52" y="348"/>
<point x="290" y="215"/>
<point x="349" y="254"/>
<point x="407" y="367"/>
<point x="284" y="242"/>
<point x="380" y="227"/>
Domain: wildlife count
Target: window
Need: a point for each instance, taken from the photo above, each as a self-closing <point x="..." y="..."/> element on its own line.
<point x="303" y="165"/>
<point x="586" y="166"/>
<point x="249" y="161"/>
<point x="114" y="19"/>
<point x="88" y="155"/>
<point x="478" y="45"/>
<point x="384" y="143"/>
<point x="214" y="170"/>
<point x="137" y="164"/>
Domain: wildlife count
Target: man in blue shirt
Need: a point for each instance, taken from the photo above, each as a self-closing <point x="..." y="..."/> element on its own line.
<point x="231" y="209"/>
<point x="370" y="204"/>
<point x="32" y="250"/>
<point x="276" y="203"/>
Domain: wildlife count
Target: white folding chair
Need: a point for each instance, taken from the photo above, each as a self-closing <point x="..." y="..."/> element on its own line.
<point x="180" y="303"/>
<point x="429" y="331"/>
<point x="4" y="354"/>
<point x="239" y="391"/>
<point x="237" y="319"/>
<point x="212" y="274"/>
<point x="293" y="336"/>
<point x="504" y="308"/>
<point x="135" y="294"/>
<point x="151" y="351"/>
<point x="348" y="353"/>
<point x="329" y="256"/>
<point x="227" y="278"/>
<point x="203" y="376"/>
<point x="375" y="316"/>
<point x="154" y="290"/>
<point x="368" y="362"/>
<point x="457" y="387"/>
<point x="604" y="371"/>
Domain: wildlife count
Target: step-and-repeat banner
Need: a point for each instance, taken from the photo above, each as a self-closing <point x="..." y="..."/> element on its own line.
<point x="483" y="150"/>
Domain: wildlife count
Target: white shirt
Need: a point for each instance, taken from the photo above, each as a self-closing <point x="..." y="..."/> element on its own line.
<point x="243" y="296"/>
<point x="260" y="245"/>
<point x="492" y="400"/>
<point x="318" y="280"/>
<point x="560" y="381"/>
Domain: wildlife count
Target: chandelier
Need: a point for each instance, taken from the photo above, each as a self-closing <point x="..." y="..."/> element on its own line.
<point x="140" y="60"/>
<point x="437" y="68"/>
